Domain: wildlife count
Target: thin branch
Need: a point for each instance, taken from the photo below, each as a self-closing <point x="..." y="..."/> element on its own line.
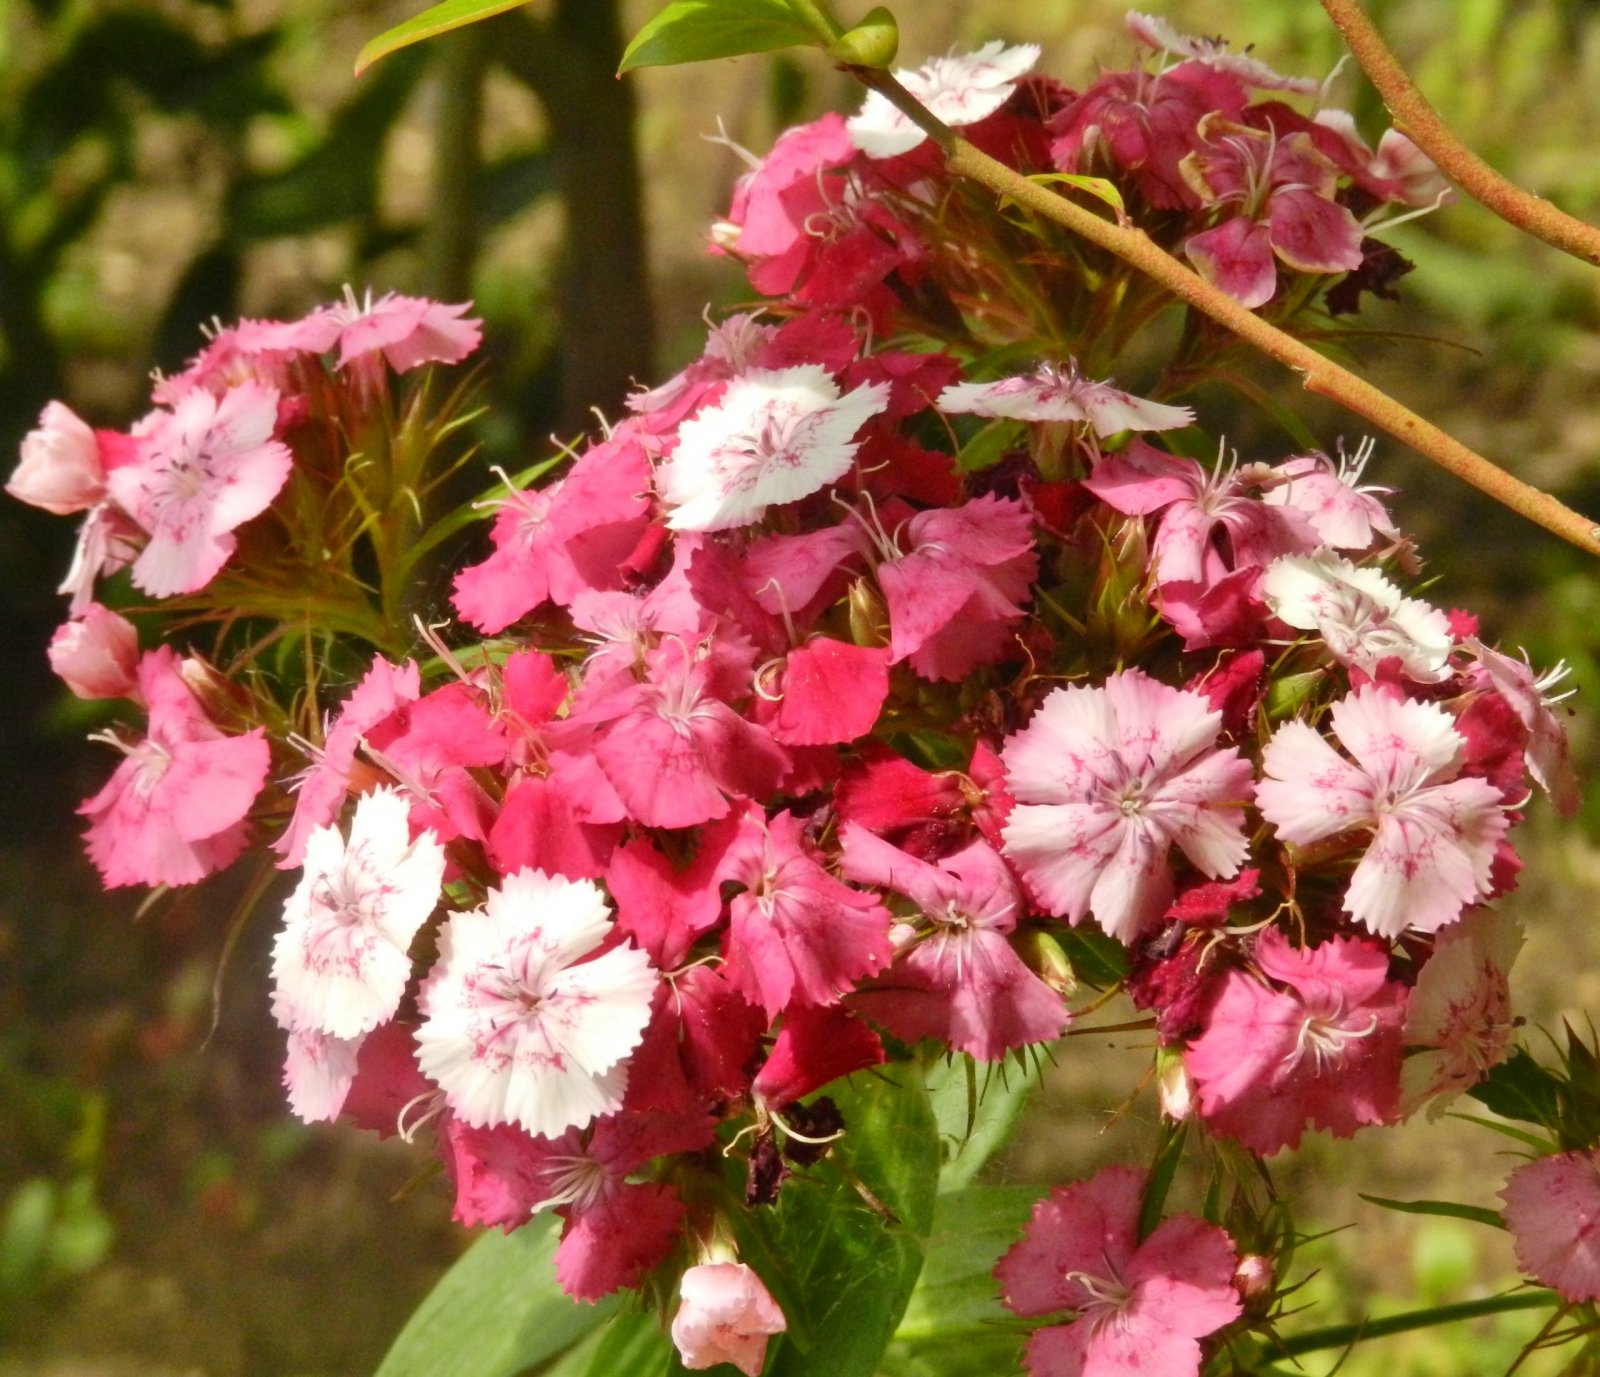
<point x="1420" y="122"/>
<point x="1318" y="374"/>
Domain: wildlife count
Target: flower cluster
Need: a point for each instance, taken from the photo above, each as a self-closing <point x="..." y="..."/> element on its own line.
<point x="826" y="692"/>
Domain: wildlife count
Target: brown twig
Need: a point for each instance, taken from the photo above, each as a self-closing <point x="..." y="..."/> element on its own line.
<point x="1319" y="374"/>
<point x="1420" y="122"/>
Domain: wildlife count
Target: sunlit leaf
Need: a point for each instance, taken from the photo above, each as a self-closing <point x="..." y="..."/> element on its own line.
<point x="1444" y="1208"/>
<point x="701" y="30"/>
<point x="441" y="18"/>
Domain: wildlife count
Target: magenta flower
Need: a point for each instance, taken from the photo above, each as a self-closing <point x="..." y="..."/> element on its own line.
<point x="1141" y="1308"/>
<point x="725" y="1315"/>
<point x="174" y="810"/>
<point x="1434" y="833"/>
<point x="202" y="469"/>
<point x="1324" y="1050"/>
<point x="522" y="1021"/>
<point x="1107" y="780"/>
<point x="1553" y="1212"/>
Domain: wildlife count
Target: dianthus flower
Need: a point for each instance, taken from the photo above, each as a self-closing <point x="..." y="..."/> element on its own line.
<point x="1553" y="1212"/>
<point x="1324" y="1050"/>
<point x="959" y="90"/>
<point x="173" y="810"/>
<point x="201" y="470"/>
<point x="61" y="469"/>
<point x="342" y="960"/>
<point x="1107" y="780"/>
<point x="522" y="1022"/>
<point x="1056" y="392"/>
<point x="1142" y="1307"/>
<point x="776" y="435"/>
<point x="1434" y="834"/>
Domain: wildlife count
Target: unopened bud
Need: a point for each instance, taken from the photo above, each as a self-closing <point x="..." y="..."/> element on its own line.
<point x="869" y="618"/>
<point x="1253" y="1277"/>
<point x="872" y="43"/>
<point x="1174" y="1087"/>
<point x="1047" y="959"/>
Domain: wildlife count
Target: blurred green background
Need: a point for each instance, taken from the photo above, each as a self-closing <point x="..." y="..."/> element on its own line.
<point x="163" y="162"/>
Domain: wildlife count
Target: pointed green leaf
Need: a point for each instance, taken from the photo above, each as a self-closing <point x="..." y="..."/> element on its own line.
<point x="701" y="30"/>
<point x="1444" y="1208"/>
<point x="498" y="1311"/>
<point x="451" y="14"/>
<point x="1520" y="1089"/>
<point x="976" y="1108"/>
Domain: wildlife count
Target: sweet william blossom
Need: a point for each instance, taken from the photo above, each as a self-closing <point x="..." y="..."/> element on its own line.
<point x="1056" y="392"/>
<point x="960" y="89"/>
<point x="1142" y="1307"/>
<point x="1553" y="1212"/>
<point x="61" y="469"/>
<point x="342" y="959"/>
<point x="776" y="435"/>
<point x="96" y="655"/>
<point x="1434" y="834"/>
<point x="725" y="1315"/>
<point x="522" y="1021"/>
<point x="202" y="470"/>
<point x="1107" y="780"/>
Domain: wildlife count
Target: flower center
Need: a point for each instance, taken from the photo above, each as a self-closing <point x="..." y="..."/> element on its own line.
<point x="1109" y="1299"/>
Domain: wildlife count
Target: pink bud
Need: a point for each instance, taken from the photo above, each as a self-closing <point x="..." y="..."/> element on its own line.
<point x="61" y="469"/>
<point x="97" y="655"/>
<point x="726" y="1316"/>
<point x="1253" y="1278"/>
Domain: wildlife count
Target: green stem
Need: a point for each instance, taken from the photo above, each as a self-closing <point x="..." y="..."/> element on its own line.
<point x="1318" y="374"/>
<point x="1416" y="118"/>
<point x="1343" y="1335"/>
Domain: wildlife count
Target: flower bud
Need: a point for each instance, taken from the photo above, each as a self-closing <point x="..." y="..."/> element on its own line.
<point x="61" y="470"/>
<point x="1047" y="959"/>
<point x="725" y="1316"/>
<point x="1253" y="1278"/>
<point x="1174" y="1087"/>
<point x="97" y="655"/>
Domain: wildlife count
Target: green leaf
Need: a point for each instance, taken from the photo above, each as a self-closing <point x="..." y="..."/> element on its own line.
<point x="954" y="1324"/>
<point x="842" y="1261"/>
<point x="701" y="30"/>
<point x="1098" y="187"/>
<point x="1162" y="1171"/>
<point x="497" y="1312"/>
<point x="441" y="18"/>
<point x="989" y="446"/>
<point x="1519" y="1088"/>
<point x="1444" y="1208"/>
<point x="976" y="1108"/>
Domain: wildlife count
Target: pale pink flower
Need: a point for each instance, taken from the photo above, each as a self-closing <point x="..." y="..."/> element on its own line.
<point x="61" y="470"/>
<point x="1433" y="834"/>
<point x="1058" y="392"/>
<point x="775" y="436"/>
<point x="342" y="960"/>
<point x="1322" y="1050"/>
<point x="1360" y="615"/>
<point x="1553" y="1212"/>
<point x="202" y="470"/>
<point x="1107" y="780"/>
<point x="407" y="330"/>
<point x="97" y="654"/>
<point x="1158" y="34"/>
<point x="1142" y="1307"/>
<point x="318" y="1072"/>
<point x="173" y="810"/>
<point x="522" y="1022"/>
<point x="725" y="1315"/>
<point x="1532" y="698"/>
<point x="959" y="90"/>
<point x="108" y="540"/>
<point x="1345" y="515"/>
<point x="1459" y="1019"/>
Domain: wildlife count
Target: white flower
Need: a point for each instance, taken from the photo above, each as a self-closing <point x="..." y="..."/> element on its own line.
<point x="341" y="963"/>
<point x="1361" y="615"/>
<point x="776" y="436"/>
<point x="1055" y="392"/>
<point x="518" y="1027"/>
<point x="958" y="90"/>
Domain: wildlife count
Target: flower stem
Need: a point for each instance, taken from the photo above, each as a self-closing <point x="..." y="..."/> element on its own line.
<point x="1416" y="118"/>
<point x="1343" y="1335"/>
<point x="1318" y="374"/>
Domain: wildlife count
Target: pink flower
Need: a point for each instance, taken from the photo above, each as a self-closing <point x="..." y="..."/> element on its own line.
<point x="407" y="330"/>
<point x="960" y="90"/>
<point x="725" y="1315"/>
<point x="1532" y="698"/>
<point x="97" y="654"/>
<point x="1325" y="1050"/>
<point x="203" y="469"/>
<point x="776" y="435"/>
<point x="61" y="470"/>
<point x="796" y="935"/>
<point x="522" y="1021"/>
<point x="1057" y="392"/>
<point x="1142" y="1308"/>
<point x="318" y="1072"/>
<point x="1458" y="1021"/>
<point x="1343" y="514"/>
<point x="1157" y="33"/>
<point x="173" y="810"/>
<point x="1360" y="615"/>
<point x="1553" y="1212"/>
<point x="342" y="960"/>
<point x="1434" y="834"/>
<point x="1107" y="780"/>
